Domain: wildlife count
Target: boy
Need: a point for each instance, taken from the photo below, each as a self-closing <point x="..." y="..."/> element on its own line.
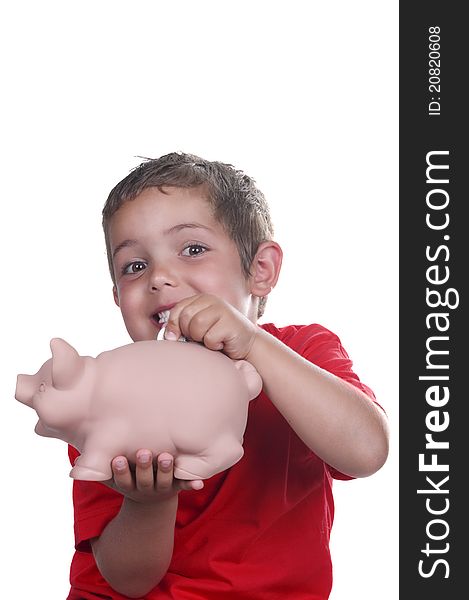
<point x="194" y="238"/>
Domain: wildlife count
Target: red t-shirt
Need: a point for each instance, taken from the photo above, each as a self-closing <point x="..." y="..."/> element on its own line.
<point x="259" y="530"/>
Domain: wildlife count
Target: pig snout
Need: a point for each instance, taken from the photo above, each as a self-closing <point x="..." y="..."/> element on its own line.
<point x="26" y="387"/>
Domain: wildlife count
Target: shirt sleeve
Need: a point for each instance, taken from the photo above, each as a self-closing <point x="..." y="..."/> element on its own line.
<point x="324" y="349"/>
<point x="94" y="505"/>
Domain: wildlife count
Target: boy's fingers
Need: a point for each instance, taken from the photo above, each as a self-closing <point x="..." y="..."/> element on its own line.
<point x="122" y="475"/>
<point x="201" y="323"/>
<point x="196" y="317"/>
<point x="144" y="477"/>
<point x="164" y="474"/>
<point x="172" y="330"/>
<point x="180" y="316"/>
<point x="197" y="484"/>
<point x="215" y="336"/>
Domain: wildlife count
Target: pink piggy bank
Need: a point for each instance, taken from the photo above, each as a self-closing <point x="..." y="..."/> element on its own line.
<point x="165" y="396"/>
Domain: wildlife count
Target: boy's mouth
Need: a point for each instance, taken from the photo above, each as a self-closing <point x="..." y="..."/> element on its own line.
<point x="161" y="317"/>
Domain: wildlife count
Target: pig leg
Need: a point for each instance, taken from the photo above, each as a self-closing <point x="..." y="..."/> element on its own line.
<point x="94" y="462"/>
<point x="92" y="467"/>
<point x="224" y="453"/>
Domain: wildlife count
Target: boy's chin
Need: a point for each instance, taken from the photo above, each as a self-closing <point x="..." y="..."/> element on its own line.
<point x="142" y="336"/>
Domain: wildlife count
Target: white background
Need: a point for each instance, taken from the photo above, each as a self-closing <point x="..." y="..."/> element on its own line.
<point x="300" y="95"/>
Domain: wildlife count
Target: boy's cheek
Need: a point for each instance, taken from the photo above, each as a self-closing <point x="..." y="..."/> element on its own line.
<point x="129" y="306"/>
<point x="115" y="293"/>
<point x="123" y="292"/>
<point x="124" y="301"/>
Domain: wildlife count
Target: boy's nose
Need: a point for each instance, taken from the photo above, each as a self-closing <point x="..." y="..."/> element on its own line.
<point x="159" y="278"/>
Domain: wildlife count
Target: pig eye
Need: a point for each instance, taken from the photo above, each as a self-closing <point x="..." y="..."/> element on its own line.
<point x="42" y="387"/>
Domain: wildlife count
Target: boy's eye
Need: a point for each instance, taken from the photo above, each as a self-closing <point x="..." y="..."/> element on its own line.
<point x="134" y="267"/>
<point x="194" y="250"/>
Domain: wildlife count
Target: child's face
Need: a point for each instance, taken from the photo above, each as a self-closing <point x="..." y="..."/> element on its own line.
<point x="167" y="247"/>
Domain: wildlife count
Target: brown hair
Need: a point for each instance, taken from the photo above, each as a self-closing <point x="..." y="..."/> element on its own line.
<point x="236" y="201"/>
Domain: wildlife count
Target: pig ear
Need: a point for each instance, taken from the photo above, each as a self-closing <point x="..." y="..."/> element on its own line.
<point x="251" y="376"/>
<point x="67" y="364"/>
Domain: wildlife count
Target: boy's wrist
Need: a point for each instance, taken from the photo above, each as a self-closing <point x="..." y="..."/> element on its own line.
<point x="258" y="346"/>
<point x="150" y="509"/>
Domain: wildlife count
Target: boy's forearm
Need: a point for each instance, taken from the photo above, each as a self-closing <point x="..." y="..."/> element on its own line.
<point x="336" y="420"/>
<point x="134" y="550"/>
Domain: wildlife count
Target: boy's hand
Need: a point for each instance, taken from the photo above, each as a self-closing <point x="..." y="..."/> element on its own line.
<point x="148" y="482"/>
<point x="212" y="321"/>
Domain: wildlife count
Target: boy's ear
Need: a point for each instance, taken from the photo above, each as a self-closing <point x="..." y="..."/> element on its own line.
<point x="265" y="268"/>
<point x="115" y="294"/>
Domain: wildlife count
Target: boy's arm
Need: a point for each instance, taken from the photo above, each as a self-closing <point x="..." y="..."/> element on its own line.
<point x="135" y="548"/>
<point x="134" y="551"/>
<point x="336" y="420"/>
